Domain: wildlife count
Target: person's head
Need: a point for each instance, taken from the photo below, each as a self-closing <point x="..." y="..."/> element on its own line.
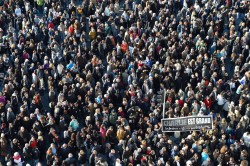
<point x="9" y="109"/>
<point x="94" y="152"/>
<point x="70" y="155"/>
<point x="26" y="145"/>
<point x="22" y="129"/>
<point x="177" y="158"/>
<point x="244" y="163"/>
<point x="52" y="145"/>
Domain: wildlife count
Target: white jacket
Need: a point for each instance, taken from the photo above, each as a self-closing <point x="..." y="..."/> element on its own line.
<point x="246" y="139"/>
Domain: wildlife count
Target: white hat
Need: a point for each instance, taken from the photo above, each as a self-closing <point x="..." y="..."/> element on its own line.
<point x="189" y="136"/>
<point x="188" y="162"/>
<point x="16" y="154"/>
<point x="70" y="155"/>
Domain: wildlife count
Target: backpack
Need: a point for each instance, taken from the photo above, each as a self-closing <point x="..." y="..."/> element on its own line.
<point x="112" y="118"/>
<point x="35" y="154"/>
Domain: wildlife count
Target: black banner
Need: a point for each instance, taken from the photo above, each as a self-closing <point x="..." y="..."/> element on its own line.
<point x="189" y="123"/>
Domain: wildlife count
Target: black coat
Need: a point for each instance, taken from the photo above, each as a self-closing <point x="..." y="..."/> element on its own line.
<point x="70" y="161"/>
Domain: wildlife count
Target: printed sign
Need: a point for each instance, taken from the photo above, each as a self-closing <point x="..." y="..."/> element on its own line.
<point x="189" y="123"/>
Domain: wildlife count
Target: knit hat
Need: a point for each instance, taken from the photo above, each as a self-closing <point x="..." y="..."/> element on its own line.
<point x="17" y="157"/>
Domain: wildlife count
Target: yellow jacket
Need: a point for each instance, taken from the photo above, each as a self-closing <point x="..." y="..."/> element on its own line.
<point x="92" y="35"/>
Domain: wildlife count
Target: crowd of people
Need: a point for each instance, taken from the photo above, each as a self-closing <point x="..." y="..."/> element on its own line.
<point x="81" y="80"/>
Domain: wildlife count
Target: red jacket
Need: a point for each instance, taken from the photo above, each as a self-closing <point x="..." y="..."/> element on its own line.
<point x="181" y="103"/>
<point x="208" y="102"/>
<point x="33" y="144"/>
<point x="51" y="25"/>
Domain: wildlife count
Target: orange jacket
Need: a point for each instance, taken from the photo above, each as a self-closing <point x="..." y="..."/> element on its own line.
<point x="71" y="29"/>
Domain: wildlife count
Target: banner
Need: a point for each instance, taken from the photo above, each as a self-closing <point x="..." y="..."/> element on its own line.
<point x="189" y="123"/>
